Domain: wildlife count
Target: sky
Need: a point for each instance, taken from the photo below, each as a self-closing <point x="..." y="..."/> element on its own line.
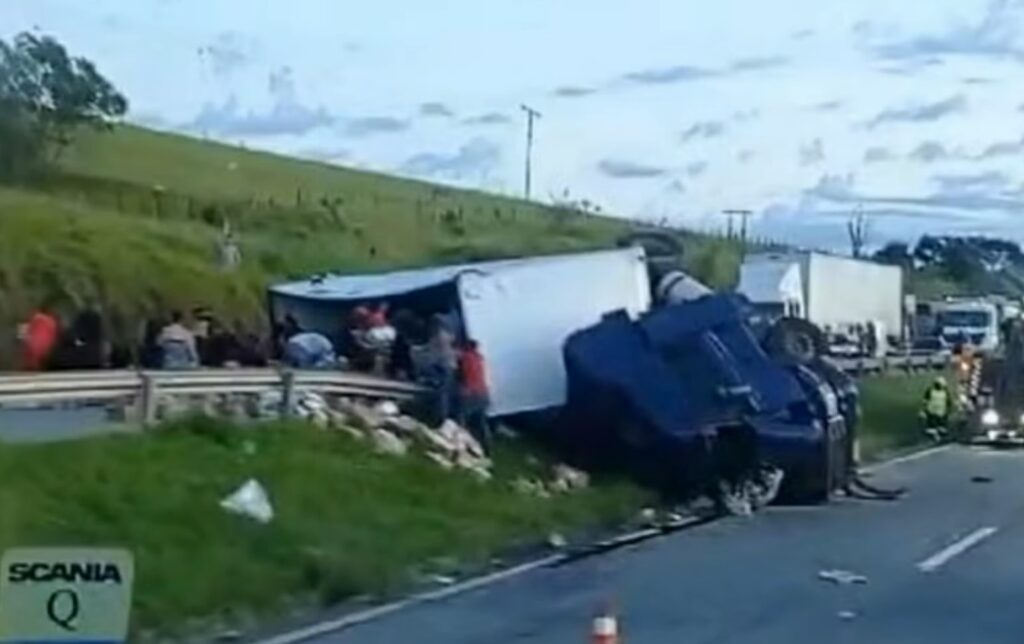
<point x="801" y="111"/>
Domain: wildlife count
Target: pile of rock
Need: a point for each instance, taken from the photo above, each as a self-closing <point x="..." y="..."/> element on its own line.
<point x="383" y="425"/>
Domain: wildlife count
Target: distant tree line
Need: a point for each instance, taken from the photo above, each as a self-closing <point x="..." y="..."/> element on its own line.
<point x="45" y="96"/>
<point x="963" y="259"/>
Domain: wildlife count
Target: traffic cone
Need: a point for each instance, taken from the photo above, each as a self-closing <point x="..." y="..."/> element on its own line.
<point x="605" y="629"/>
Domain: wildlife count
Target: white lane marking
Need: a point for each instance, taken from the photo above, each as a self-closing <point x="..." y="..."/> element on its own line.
<point x="943" y="556"/>
<point x="931" y="451"/>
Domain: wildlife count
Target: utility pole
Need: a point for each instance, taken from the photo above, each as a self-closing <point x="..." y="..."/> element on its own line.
<point x="743" y="216"/>
<point x="531" y="114"/>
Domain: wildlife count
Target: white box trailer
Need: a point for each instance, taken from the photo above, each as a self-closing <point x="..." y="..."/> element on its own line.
<point x="520" y="311"/>
<point x="828" y="290"/>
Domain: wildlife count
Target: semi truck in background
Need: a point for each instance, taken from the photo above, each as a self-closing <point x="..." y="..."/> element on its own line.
<point x="977" y="321"/>
<point x="843" y="296"/>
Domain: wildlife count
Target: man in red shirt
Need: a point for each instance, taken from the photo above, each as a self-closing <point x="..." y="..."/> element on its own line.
<point x="40" y="336"/>
<point x="475" y="396"/>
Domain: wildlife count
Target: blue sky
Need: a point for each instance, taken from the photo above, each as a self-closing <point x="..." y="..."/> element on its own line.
<point x="800" y="110"/>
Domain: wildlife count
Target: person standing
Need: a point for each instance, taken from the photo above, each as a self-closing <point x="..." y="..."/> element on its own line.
<point x="178" y="345"/>
<point x="443" y="361"/>
<point x="39" y="337"/>
<point x="474" y="393"/>
<point x="936" y="408"/>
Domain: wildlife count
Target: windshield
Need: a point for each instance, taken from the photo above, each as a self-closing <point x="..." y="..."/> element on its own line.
<point x="964" y="318"/>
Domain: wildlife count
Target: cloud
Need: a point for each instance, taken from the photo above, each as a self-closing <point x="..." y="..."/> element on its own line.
<point x="802" y="34"/>
<point x="960" y="197"/>
<point x="287" y="115"/>
<point x="619" y="169"/>
<point x="697" y="168"/>
<point x="1003" y="149"/>
<point x="828" y="106"/>
<point x="676" y="186"/>
<point x="702" y="130"/>
<point x="985" y="182"/>
<point x="667" y="75"/>
<point x="324" y="154"/>
<point x="758" y="63"/>
<point x="929" y="152"/>
<point x="473" y="160"/>
<point x="571" y="91"/>
<point x="743" y="156"/>
<point x="977" y="80"/>
<point x="228" y="53"/>
<point x="994" y="35"/>
<point x="812" y="153"/>
<point x="490" y="118"/>
<point x="371" y="125"/>
<point x="742" y="116"/>
<point x="434" y="109"/>
<point x="921" y="112"/>
<point x="877" y="154"/>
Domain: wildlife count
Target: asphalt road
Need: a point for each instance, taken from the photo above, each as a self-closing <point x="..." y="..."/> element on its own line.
<point x="43" y="425"/>
<point x="945" y="564"/>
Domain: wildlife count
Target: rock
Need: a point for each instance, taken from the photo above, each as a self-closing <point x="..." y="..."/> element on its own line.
<point x="531" y="487"/>
<point x="404" y="425"/>
<point x="648" y="516"/>
<point x="435" y="440"/>
<point x="441" y="460"/>
<point x="362" y="416"/>
<point x="386" y="408"/>
<point x="387" y="443"/>
<point x="571" y="478"/>
<point x="556" y="540"/>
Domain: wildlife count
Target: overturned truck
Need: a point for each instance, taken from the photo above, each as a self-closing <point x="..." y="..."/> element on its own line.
<point x="702" y="396"/>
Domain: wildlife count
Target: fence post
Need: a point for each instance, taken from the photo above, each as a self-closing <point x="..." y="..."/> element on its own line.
<point x="287" y="393"/>
<point x="150" y="395"/>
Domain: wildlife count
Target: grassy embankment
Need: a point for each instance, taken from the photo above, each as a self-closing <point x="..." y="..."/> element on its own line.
<point x="131" y="218"/>
<point x="890" y="406"/>
<point x="349" y="522"/>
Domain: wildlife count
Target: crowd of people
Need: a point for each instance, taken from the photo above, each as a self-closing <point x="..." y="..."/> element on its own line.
<point x="176" y="342"/>
<point x="432" y="350"/>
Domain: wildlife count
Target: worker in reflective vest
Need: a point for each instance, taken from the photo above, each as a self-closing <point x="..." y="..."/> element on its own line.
<point x="936" y="408"/>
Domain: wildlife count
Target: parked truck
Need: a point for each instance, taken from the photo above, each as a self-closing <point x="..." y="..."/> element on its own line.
<point x="840" y="295"/>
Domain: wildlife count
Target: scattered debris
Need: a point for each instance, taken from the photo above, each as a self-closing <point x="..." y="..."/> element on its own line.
<point x="981" y="479"/>
<point x="649" y="517"/>
<point x="443" y="580"/>
<point x="846" y="614"/>
<point x="386" y="408"/>
<point x="440" y="459"/>
<point x="250" y="500"/>
<point x="842" y="577"/>
<point x="569" y="478"/>
<point x="557" y="540"/>
<point x="387" y="443"/>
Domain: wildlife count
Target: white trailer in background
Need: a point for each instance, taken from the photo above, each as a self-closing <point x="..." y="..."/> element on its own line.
<point x="520" y="311"/>
<point x="832" y="291"/>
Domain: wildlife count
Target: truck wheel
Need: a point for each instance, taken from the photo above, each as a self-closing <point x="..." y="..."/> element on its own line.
<point x="796" y="340"/>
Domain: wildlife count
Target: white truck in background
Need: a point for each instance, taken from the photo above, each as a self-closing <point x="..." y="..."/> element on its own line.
<point x="843" y="296"/>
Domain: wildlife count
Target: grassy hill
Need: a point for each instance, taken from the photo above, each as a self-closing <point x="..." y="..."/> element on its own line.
<point x="131" y="218"/>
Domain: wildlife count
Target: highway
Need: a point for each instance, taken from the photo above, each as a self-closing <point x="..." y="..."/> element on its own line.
<point x="943" y="565"/>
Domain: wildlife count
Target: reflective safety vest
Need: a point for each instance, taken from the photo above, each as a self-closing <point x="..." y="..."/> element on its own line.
<point x="936" y="401"/>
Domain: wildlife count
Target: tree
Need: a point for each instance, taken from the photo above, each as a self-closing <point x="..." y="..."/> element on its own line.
<point x="45" y="95"/>
<point x="895" y="253"/>
<point x="858" y="228"/>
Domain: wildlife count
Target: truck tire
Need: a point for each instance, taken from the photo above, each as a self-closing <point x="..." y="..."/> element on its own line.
<point x="796" y="341"/>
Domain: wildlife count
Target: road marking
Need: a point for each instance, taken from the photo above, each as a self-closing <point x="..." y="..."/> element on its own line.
<point x="925" y="453"/>
<point x="942" y="557"/>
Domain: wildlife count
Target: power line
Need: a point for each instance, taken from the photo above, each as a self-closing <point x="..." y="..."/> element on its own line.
<point x="531" y="114"/>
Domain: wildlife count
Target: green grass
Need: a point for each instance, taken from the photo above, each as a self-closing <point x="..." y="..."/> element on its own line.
<point x="97" y="231"/>
<point x="890" y="406"/>
<point x="348" y="521"/>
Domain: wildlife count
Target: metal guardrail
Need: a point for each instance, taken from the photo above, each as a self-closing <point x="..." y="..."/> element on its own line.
<point x="907" y="363"/>
<point x="148" y="386"/>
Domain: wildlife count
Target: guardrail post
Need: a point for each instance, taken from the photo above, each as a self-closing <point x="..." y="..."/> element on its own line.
<point x="150" y="397"/>
<point x="287" y="393"/>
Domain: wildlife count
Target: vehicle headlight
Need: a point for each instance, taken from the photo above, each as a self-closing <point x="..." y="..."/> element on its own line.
<point x="990" y="418"/>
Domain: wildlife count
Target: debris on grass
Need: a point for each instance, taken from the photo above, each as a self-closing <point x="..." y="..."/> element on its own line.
<point x="250" y="500"/>
<point x="842" y="577"/>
